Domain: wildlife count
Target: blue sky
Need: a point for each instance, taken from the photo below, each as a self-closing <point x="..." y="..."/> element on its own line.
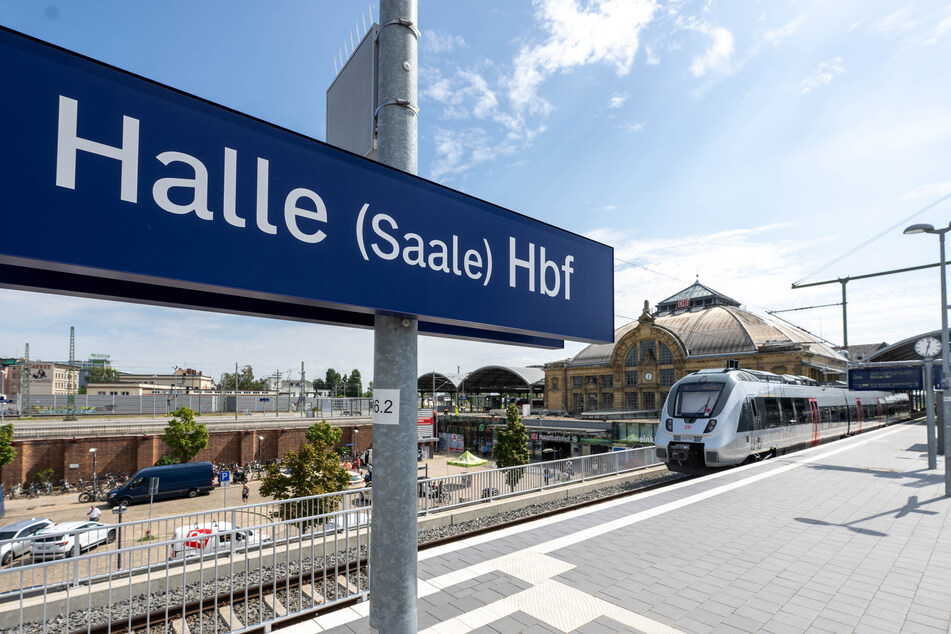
<point x="749" y="144"/>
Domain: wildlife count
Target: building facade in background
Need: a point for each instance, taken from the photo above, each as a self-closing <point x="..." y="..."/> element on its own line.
<point x="694" y="329"/>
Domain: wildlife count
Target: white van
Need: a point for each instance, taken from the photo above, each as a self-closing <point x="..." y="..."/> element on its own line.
<point x="215" y="537"/>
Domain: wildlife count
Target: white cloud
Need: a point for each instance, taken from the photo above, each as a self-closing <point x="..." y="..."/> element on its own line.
<point x="652" y="58"/>
<point x="716" y="58"/>
<point x="617" y="100"/>
<point x="576" y="33"/>
<point x="943" y="27"/>
<point x="784" y="31"/>
<point x="935" y="190"/>
<point x="826" y="72"/>
<point x="635" y="127"/>
<point x="896" y="21"/>
<point x="599" y="31"/>
<point x="435" y="42"/>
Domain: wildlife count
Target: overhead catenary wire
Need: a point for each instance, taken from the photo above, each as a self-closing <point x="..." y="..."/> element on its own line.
<point x="871" y="240"/>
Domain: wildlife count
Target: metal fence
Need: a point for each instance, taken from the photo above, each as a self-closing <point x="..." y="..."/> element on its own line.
<point x="164" y="404"/>
<point x="148" y="566"/>
<point x="453" y="491"/>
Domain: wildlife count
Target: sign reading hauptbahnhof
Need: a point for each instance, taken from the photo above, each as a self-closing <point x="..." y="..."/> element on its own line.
<point x="114" y="186"/>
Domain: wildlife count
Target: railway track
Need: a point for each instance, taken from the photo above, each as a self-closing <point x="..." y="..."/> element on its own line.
<point x="242" y="603"/>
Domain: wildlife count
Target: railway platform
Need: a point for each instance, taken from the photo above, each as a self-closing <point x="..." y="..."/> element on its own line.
<point x="852" y="536"/>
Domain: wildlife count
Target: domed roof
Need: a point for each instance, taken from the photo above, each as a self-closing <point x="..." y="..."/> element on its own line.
<point x="711" y="328"/>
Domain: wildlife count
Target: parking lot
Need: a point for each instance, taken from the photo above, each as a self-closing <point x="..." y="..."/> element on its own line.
<point x="63" y="508"/>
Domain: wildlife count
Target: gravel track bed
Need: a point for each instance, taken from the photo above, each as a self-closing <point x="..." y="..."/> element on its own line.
<point x="81" y="619"/>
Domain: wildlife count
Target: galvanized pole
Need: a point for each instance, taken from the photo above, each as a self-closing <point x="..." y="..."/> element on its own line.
<point x="946" y="373"/>
<point x="394" y="528"/>
<point x="929" y="407"/>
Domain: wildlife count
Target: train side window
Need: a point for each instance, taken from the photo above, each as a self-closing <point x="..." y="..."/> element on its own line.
<point x="758" y="409"/>
<point x="773" y="416"/>
<point x="803" y="411"/>
<point x="745" y="423"/>
<point x="789" y="413"/>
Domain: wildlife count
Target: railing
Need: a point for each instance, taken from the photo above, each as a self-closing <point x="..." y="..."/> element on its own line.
<point x="161" y="405"/>
<point x="480" y="486"/>
<point x="230" y="549"/>
<point x="126" y="547"/>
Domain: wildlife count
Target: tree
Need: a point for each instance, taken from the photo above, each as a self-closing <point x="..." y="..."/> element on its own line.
<point x="369" y="391"/>
<point x="185" y="436"/>
<point x="511" y="448"/>
<point x="7" y="453"/>
<point x="354" y="384"/>
<point x="102" y="374"/>
<point x="246" y="381"/>
<point x="314" y="469"/>
<point x="332" y="380"/>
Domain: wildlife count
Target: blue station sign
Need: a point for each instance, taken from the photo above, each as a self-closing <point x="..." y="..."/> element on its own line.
<point x="886" y="378"/>
<point x="117" y="187"/>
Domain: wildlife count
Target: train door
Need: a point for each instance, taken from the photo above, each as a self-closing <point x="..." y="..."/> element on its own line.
<point x="878" y="409"/>
<point x="860" y="415"/>
<point x="814" y="419"/>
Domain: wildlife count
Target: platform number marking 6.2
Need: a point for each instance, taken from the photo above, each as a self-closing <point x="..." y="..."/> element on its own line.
<point x="386" y="407"/>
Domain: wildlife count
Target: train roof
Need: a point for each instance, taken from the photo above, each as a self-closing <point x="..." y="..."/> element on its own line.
<point x="758" y="375"/>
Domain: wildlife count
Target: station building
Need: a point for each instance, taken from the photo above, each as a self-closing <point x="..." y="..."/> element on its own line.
<point x="694" y="329"/>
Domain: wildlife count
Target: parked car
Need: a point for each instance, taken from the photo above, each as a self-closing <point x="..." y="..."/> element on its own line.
<point x="356" y="480"/>
<point x="174" y="481"/>
<point x="348" y="521"/>
<point x="213" y="537"/>
<point x="68" y="539"/>
<point x="14" y="538"/>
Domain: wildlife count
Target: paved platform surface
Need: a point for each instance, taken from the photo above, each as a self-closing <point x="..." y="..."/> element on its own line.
<point x="853" y="536"/>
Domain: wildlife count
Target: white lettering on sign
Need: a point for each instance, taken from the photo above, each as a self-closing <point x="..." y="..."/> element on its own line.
<point x="546" y="266"/>
<point x="442" y="256"/>
<point x="386" y="406"/>
<point x="187" y="190"/>
<point x="302" y="206"/>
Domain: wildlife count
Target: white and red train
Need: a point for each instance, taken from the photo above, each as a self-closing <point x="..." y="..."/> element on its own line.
<point x="722" y="418"/>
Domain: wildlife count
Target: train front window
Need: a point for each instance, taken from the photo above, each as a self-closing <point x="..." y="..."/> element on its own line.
<point x="697" y="400"/>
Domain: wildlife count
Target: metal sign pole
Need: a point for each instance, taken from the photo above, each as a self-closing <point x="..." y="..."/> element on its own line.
<point x="929" y="407"/>
<point x="393" y="552"/>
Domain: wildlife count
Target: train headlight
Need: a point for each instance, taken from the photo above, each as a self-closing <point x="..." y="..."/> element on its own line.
<point x="669" y="424"/>
<point x="710" y="426"/>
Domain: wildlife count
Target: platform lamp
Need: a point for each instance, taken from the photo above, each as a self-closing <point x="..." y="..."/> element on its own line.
<point x="260" y="449"/>
<point x="945" y="371"/>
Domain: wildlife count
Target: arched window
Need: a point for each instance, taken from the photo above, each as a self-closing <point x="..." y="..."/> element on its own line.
<point x="631" y="359"/>
<point x="664" y="355"/>
<point x="649" y="351"/>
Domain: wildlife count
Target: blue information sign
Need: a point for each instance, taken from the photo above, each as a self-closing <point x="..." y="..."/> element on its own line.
<point x="883" y="378"/>
<point x="191" y="197"/>
<point x="224" y="478"/>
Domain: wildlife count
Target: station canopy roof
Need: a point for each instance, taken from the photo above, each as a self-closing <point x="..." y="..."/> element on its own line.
<point x="443" y="382"/>
<point x="903" y="350"/>
<point x="502" y="379"/>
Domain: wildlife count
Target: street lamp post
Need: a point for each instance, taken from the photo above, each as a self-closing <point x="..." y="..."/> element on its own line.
<point x="945" y="357"/>
<point x="92" y="450"/>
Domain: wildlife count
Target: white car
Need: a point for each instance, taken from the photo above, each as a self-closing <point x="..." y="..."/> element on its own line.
<point x="348" y="521"/>
<point x="69" y="539"/>
<point x="356" y="480"/>
<point x="214" y="537"/>
<point x="15" y="538"/>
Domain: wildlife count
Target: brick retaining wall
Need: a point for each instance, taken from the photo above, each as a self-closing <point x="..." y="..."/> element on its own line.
<point x="128" y="454"/>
